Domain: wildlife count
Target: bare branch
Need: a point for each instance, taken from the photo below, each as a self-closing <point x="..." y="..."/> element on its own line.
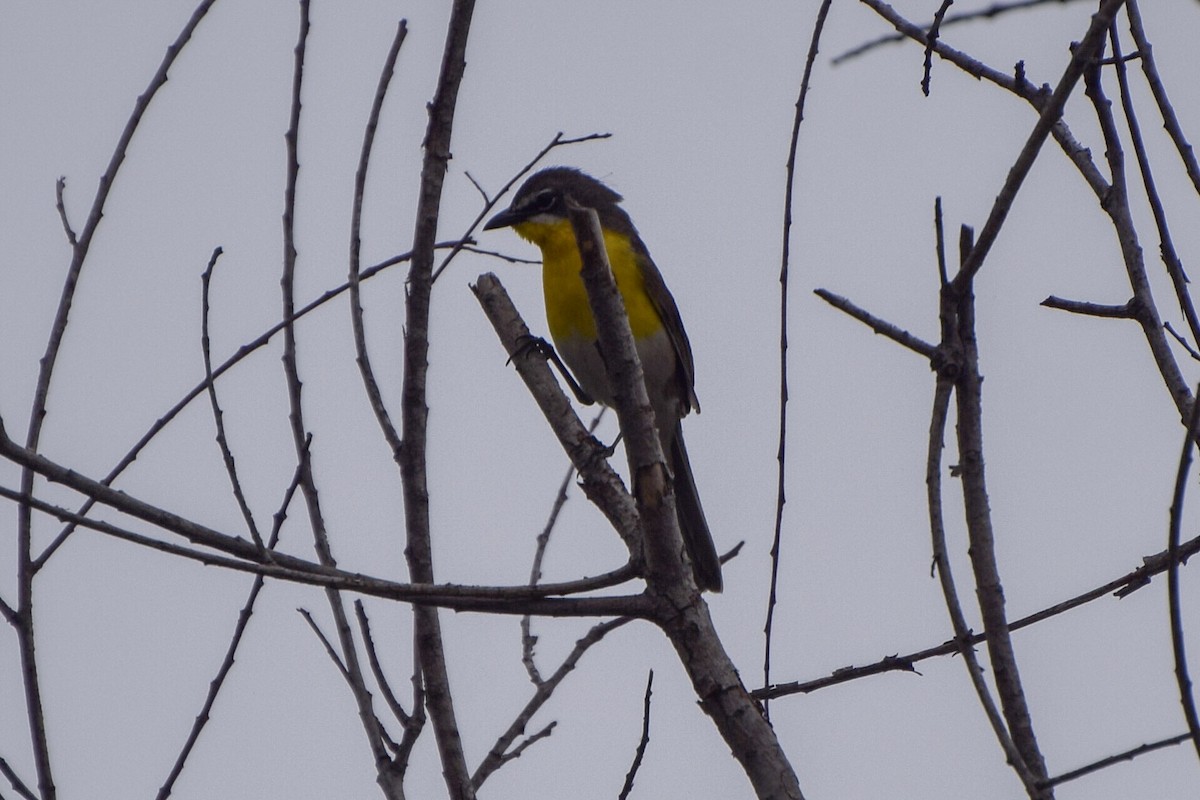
<point x="1166" y="247"/>
<point x="1176" y="612"/>
<point x="490" y="203"/>
<point x="958" y="302"/>
<point x="1115" y="203"/>
<point x="601" y="483"/>
<point x="389" y="697"/>
<point x="214" y="688"/>
<point x="415" y="415"/>
<point x="784" y="273"/>
<point x="218" y="414"/>
<point x="1170" y="120"/>
<point x="994" y="10"/>
<point x="506" y="599"/>
<point x="528" y="639"/>
<point x="680" y="610"/>
<point x="1124" y="311"/>
<point x="502" y="751"/>
<point x="15" y="781"/>
<point x="328" y="645"/>
<point x="374" y="395"/>
<point x="1119" y="587"/>
<point x="941" y="561"/>
<point x="1127" y="755"/>
<point x="26" y="568"/>
<point x="880" y="326"/>
<point x="1087" y="49"/>
<point x="242" y="352"/>
<point x="1184" y="343"/>
<point x="60" y="187"/>
<point x="218" y="681"/>
<point x="931" y="38"/>
<point x="642" y="742"/>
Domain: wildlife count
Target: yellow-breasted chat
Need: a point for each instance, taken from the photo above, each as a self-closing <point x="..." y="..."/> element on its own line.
<point x="538" y="213"/>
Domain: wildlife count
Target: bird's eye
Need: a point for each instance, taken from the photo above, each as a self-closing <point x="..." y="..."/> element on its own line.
<point x="542" y="201"/>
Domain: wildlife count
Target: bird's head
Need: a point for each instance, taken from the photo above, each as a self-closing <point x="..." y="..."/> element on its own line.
<point x="540" y="204"/>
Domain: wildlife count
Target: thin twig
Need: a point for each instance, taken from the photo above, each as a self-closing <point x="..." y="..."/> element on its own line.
<point x="931" y="39"/>
<point x="385" y="687"/>
<point x="939" y="232"/>
<point x="1115" y="202"/>
<point x="60" y="187"/>
<point x="362" y="357"/>
<point x="248" y="558"/>
<point x="1176" y="612"/>
<point x="528" y="639"/>
<point x="1170" y="120"/>
<point x="1184" y="343"/>
<point x="1127" y="755"/>
<point x="218" y="414"/>
<point x="1120" y="588"/>
<point x="247" y="609"/>
<point x="218" y="681"/>
<point x="26" y="568"/>
<point x="880" y="326"/>
<point x="412" y="724"/>
<point x="989" y="12"/>
<point x="1124" y="311"/>
<point x="1087" y="49"/>
<point x="784" y="274"/>
<point x="502" y="751"/>
<point x="643" y="742"/>
<point x="242" y="352"/>
<point x="18" y="785"/>
<point x="1017" y="83"/>
<point x="1166" y="247"/>
<point x="349" y="664"/>
<point x="490" y="202"/>
<point x="330" y="650"/>
<point x="502" y="256"/>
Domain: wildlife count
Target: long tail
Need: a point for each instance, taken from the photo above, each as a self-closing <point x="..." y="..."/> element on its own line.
<point x="706" y="564"/>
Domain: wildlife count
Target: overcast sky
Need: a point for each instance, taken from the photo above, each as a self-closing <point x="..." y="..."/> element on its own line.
<point x="1082" y="439"/>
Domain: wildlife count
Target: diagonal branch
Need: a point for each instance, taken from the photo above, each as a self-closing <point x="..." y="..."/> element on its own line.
<point x="1085" y="51"/>
<point x="503" y="751"/>
<point x="1166" y="247"/>
<point x="242" y="352"/>
<point x="679" y="609"/>
<point x="1120" y="587"/>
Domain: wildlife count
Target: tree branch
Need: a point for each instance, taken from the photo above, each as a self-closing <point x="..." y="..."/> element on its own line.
<point x="418" y="551"/>
<point x="784" y="273"/>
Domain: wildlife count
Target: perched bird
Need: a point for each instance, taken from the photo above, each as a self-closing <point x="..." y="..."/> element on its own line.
<point x="539" y="214"/>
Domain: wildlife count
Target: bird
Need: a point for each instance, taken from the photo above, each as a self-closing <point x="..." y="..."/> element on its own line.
<point x="538" y="213"/>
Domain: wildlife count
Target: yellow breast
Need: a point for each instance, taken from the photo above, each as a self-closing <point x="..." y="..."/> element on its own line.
<point x="567" y="311"/>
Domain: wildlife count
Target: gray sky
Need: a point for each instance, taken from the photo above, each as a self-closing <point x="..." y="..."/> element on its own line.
<point x="1082" y="441"/>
